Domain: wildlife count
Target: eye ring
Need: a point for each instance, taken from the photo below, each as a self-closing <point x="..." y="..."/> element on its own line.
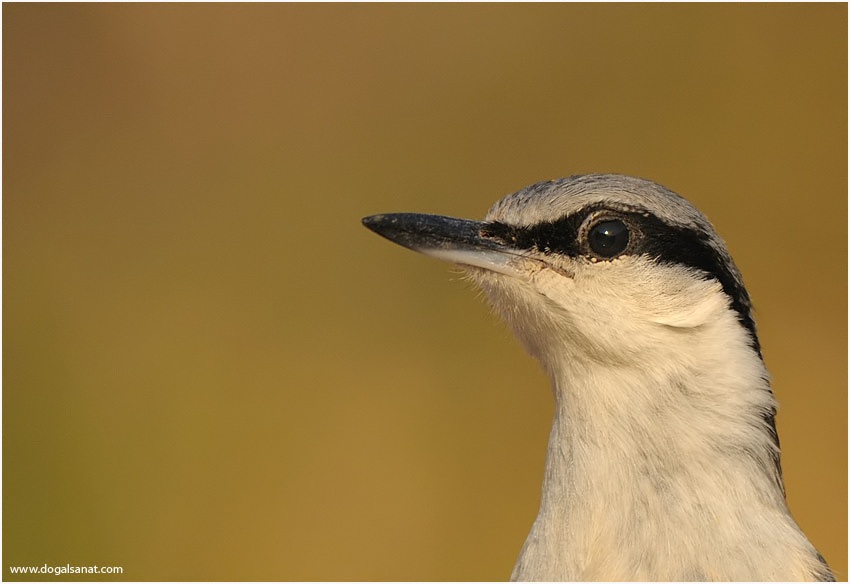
<point x="608" y="238"/>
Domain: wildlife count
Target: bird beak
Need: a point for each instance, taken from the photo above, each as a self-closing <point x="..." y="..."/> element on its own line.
<point x="459" y="241"/>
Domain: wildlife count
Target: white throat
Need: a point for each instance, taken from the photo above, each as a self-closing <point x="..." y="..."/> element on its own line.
<point x="674" y="459"/>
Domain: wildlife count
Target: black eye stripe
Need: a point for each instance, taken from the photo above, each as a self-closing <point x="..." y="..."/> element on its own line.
<point x="649" y="237"/>
<point x="559" y="236"/>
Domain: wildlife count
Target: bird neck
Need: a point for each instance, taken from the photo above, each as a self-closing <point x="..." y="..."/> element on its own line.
<point x="679" y="460"/>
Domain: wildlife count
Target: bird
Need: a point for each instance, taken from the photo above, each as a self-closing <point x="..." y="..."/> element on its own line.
<point x="663" y="460"/>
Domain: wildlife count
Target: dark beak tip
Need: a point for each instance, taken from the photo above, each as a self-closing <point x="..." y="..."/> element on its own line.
<point x="374" y="222"/>
<point x="419" y="231"/>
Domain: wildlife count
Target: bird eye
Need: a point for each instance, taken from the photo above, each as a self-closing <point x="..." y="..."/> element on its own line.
<point x="608" y="239"/>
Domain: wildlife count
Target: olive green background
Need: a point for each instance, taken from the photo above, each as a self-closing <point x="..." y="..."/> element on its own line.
<point x="211" y="370"/>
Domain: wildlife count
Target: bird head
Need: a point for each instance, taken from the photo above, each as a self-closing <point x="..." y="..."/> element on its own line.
<point x="604" y="268"/>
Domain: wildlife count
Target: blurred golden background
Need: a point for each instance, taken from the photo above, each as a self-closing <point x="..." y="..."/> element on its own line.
<point x="213" y="371"/>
